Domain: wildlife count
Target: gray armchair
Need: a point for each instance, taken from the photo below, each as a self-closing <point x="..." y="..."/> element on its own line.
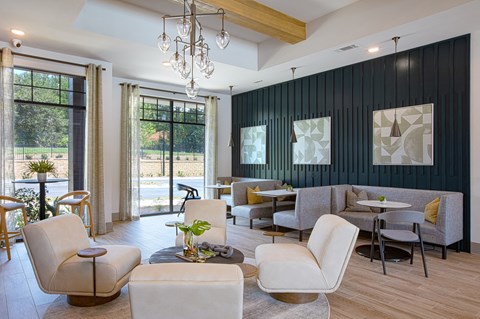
<point x="311" y="203"/>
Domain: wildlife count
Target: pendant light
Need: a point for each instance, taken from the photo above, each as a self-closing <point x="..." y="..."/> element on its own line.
<point x="293" y="136"/>
<point x="395" y="132"/>
<point x="230" y="141"/>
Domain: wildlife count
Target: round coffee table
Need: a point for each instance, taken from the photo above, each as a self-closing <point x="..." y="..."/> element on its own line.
<point x="167" y="255"/>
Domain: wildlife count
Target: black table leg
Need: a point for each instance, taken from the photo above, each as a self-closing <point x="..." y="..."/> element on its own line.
<point x="42" y="200"/>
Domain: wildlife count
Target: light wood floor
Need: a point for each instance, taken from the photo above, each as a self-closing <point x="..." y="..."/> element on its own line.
<point x="451" y="291"/>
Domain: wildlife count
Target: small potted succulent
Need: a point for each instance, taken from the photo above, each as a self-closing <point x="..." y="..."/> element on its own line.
<point x="41" y="167"/>
<point x="197" y="228"/>
<point x="382" y="199"/>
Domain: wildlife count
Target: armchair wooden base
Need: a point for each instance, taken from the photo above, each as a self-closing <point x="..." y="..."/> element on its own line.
<point x="295" y="298"/>
<point x="90" y="301"/>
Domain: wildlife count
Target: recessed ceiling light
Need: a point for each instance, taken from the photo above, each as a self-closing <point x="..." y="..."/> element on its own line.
<point x="373" y="50"/>
<point x="17" y="32"/>
<point x="166" y="63"/>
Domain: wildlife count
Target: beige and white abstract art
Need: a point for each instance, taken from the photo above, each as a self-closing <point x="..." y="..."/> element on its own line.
<point x="313" y="141"/>
<point x="253" y="143"/>
<point x="414" y="147"/>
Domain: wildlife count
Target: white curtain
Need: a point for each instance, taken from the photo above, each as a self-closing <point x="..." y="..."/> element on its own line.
<point x="7" y="171"/>
<point x="210" y="144"/>
<point x="94" y="147"/>
<point x="129" y="153"/>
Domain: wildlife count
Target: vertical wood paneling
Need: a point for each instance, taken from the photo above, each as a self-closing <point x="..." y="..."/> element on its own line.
<point x="438" y="73"/>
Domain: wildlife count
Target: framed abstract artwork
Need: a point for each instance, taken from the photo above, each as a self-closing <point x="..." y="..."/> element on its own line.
<point x="313" y="141"/>
<point x="253" y="143"/>
<point x="414" y="146"/>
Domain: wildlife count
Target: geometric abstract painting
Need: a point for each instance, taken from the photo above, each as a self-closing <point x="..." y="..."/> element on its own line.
<point x="414" y="147"/>
<point x="313" y="141"/>
<point x="253" y="143"/>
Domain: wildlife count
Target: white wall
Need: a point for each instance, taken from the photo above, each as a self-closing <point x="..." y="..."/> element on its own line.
<point x="475" y="136"/>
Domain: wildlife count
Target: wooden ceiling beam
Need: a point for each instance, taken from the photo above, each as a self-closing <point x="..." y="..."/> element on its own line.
<point x="258" y="17"/>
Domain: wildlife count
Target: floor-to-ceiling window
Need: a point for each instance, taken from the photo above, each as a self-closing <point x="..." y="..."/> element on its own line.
<point x="172" y="151"/>
<point x="49" y="123"/>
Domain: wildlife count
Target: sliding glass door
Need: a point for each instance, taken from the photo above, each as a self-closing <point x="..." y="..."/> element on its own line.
<point x="172" y="152"/>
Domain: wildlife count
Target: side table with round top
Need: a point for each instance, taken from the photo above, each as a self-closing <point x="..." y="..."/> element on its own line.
<point x="391" y="253"/>
<point x="85" y="301"/>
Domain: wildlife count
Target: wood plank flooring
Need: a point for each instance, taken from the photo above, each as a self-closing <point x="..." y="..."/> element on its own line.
<point x="451" y="291"/>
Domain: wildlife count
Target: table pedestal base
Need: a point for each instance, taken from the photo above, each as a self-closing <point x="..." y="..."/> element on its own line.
<point x="295" y="298"/>
<point x="392" y="254"/>
<point x="90" y="301"/>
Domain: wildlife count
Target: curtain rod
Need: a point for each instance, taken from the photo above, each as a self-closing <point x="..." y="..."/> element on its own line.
<point x="52" y="60"/>
<point x="168" y="91"/>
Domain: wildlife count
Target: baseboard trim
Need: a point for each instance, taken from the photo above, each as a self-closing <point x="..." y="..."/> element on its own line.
<point x="475" y="248"/>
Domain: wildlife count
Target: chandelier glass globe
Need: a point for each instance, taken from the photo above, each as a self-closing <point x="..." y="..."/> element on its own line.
<point x="222" y="39"/>
<point x="176" y="60"/>
<point x="192" y="89"/>
<point x="164" y="42"/>
<point x="208" y="71"/>
<point x="184" y="70"/>
<point x="183" y="27"/>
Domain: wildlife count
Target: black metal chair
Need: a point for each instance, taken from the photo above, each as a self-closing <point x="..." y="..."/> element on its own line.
<point x="192" y="193"/>
<point x="399" y="235"/>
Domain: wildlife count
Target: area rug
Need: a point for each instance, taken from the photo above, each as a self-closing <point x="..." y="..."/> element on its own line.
<point x="257" y="304"/>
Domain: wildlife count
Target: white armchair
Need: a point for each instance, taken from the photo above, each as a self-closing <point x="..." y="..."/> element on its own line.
<point x="297" y="274"/>
<point x="52" y="245"/>
<point x="213" y="211"/>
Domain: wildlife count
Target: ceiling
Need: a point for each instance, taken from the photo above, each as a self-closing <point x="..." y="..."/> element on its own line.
<point x="125" y="32"/>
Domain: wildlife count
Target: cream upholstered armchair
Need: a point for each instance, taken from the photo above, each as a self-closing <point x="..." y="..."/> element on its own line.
<point x="52" y="245"/>
<point x="213" y="211"/>
<point x="186" y="290"/>
<point x="297" y="274"/>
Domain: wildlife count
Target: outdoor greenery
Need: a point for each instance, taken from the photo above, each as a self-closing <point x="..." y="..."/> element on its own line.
<point x="42" y="125"/>
<point x="32" y="202"/>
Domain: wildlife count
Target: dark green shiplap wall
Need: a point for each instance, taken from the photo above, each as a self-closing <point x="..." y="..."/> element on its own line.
<point x="438" y="73"/>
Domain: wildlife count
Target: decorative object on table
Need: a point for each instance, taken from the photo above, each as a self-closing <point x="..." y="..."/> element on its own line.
<point x="189" y="27"/>
<point x="414" y="147"/>
<point x="382" y="199"/>
<point x="210" y="250"/>
<point x="253" y="144"/>
<point x="313" y="141"/>
<point x="197" y="228"/>
<point x="290" y="188"/>
<point x="41" y="167"/>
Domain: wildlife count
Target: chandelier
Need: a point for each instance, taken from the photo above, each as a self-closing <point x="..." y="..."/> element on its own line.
<point x="188" y="26"/>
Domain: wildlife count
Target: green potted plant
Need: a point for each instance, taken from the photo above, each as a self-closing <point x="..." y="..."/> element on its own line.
<point x="382" y="199"/>
<point x="197" y="228"/>
<point x="41" y="167"/>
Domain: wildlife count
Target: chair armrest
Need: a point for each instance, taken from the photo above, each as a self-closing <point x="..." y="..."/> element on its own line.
<point x="450" y="217"/>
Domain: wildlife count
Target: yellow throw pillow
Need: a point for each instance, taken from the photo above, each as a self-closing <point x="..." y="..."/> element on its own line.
<point x="227" y="190"/>
<point x="253" y="198"/>
<point x="431" y="210"/>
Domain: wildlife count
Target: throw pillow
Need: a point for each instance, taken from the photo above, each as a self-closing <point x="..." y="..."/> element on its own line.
<point x="431" y="210"/>
<point x="227" y="190"/>
<point x="253" y="198"/>
<point x="284" y="186"/>
<point x="352" y="200"/>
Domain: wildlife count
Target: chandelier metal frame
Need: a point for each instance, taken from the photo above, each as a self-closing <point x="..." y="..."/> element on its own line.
<point x="187" y="27"/>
